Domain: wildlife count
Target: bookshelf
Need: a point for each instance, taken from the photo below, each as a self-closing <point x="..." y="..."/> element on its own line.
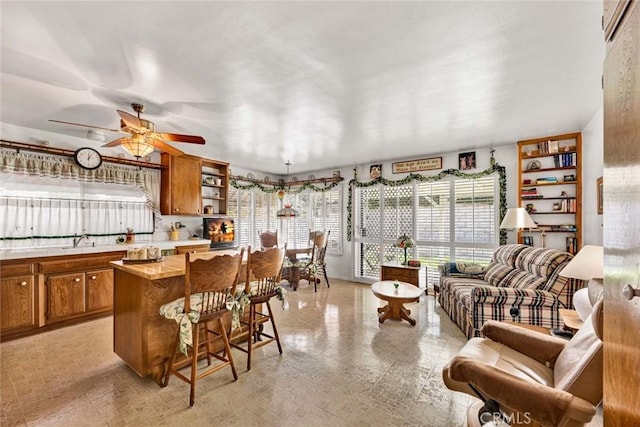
<point x="550" y="188"/>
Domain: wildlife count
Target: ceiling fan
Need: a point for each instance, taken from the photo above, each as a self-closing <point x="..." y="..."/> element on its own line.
<point x="143" y="137"/>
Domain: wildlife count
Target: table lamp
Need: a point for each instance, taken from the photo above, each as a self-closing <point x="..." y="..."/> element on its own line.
<point x="517" y="218"/>
<point x="585" y="265"/>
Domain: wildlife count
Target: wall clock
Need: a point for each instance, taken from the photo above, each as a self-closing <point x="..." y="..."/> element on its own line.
<point x="87" y="158"/>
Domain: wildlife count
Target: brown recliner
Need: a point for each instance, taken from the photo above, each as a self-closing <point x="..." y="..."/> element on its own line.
<point x="532" y="376"/>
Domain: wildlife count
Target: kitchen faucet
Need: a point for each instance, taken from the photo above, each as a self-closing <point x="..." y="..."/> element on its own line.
<point x="77" y="240"/>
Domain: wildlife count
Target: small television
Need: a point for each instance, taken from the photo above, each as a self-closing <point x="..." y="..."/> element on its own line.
<point x="220" y="231"/>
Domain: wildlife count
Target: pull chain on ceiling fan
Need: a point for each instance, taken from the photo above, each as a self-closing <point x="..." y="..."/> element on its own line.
<point x="143" y="137"/>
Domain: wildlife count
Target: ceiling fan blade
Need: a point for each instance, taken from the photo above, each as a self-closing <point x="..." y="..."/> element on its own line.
<point x="115" y="142"/>
<point x="162" y="146"/>
<point x="87" y="126"/>
<point x="129" y="120"/>
<point x="176" y="137"/>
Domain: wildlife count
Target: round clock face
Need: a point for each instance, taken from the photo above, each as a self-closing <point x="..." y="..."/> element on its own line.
<point x="88" y="158"/>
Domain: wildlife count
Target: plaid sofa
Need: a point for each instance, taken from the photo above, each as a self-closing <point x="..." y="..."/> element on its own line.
<point x="518" y="277"/>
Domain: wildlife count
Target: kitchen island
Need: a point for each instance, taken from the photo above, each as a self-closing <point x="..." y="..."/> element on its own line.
<point x="141" y="336"/>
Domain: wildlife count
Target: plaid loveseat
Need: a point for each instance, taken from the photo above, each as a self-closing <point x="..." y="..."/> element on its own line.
<point x="519" y="277"/>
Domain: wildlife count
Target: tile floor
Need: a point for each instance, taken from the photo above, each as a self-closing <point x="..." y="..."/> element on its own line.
<point x="339" y="367"/>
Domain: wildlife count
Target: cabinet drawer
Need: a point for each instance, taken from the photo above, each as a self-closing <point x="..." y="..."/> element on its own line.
<point x="17" y="302"/>
<point x="408" y="275"/>
<point x="192" y="249"/>
<point x="81" y="263"/>
<point x="9" y="270"/>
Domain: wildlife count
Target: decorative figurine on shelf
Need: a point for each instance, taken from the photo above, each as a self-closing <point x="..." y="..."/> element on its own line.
<point x="529" y="208"/>
<point x="130" y="237"/>
<point x="404" y="242"/>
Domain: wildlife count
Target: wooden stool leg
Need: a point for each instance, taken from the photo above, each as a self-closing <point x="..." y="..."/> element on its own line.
<point x="325" y="277"/>
<point x="172" y="360"/>
<point x="207" y="343"/>
<point x="275" y="330"/>
<point x="250" y="338"/>
<point x="227" y="349"/>
<point x="194" y="363"/>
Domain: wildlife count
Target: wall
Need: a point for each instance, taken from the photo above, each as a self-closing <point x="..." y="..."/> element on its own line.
<point x="342" y="266"/>
<point x="592" y="157"/>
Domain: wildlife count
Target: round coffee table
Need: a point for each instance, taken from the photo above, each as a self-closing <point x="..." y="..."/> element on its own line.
<point x="396" y="298"/>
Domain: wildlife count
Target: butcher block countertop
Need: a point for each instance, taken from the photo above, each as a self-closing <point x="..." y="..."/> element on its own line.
<point x="170" y="266"/>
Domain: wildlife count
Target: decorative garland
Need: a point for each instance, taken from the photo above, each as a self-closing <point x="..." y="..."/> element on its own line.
<point x="421" y="178"/>
<point x="283" y="186"/>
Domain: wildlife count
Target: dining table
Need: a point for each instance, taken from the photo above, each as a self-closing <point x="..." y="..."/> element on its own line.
<point x="294" y="263"/>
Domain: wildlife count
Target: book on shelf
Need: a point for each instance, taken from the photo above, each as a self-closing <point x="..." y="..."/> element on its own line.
<point x="547" y="180"/>
<point x="572" y="245"/>
<point x="532" y="196"/>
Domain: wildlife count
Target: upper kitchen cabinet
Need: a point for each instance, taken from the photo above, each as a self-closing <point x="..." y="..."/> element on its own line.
<point x="180" y="192"/>
<point x="215" y="185"/>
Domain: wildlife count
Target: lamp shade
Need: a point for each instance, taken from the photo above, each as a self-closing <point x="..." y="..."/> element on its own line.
<point x="586" y="265"/>
<point x="517" y="218"/>
<point x="137" y="146"/>
<point x="287" y="212"/>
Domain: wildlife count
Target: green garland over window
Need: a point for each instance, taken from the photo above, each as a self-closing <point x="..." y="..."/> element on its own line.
<point x="421" y="178"/>
<point x="275" y="187"/>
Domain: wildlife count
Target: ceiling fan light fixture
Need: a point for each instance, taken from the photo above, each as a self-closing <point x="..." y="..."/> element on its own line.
<point x="137" y="146"/>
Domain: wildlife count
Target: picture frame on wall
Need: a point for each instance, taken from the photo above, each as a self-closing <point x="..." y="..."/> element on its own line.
<point x="467" y="160"/>
<point x="375" y="171"/>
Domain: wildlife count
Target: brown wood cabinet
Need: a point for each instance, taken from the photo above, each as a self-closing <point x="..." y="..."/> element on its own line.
<point x="38" y="294"/>
<point x="188" y="183"/>
<point x="65" y="296"/>
<point x="180" y="192"/>
<point x="402" y="273"/>
<point x="17" y="302"/>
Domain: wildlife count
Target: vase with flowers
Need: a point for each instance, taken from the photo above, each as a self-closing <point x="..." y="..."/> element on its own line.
<point x="404" y="242"/>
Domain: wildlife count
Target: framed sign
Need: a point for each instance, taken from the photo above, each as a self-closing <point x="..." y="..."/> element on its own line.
<point x="417" y="165"/>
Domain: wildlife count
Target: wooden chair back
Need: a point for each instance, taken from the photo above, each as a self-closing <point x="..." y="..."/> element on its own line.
<point x="268" y="239"/>
<point x="214" y="277"/>
<point x="264" y="269"/>
<point x="320" y="240"/>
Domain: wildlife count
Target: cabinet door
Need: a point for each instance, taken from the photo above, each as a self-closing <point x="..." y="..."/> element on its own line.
<point x="184" y="185"/>
<point x="99" y="290"/>
<point x="17" y="302"/>
<point x="65" y="296"/>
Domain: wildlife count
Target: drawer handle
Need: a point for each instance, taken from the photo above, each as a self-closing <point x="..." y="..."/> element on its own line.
<point x="23" y="283"/>
<point x="77" y="279"/>
<point x="94" y="277"/>
<point x="629" y="292"/>
<point x="176" y="210"/>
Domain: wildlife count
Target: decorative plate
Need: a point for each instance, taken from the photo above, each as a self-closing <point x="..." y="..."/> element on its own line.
<point x="533" y="165"/>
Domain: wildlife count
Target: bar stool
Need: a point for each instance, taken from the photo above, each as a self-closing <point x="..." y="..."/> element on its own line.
<point x="264" y="267"/>
<point x="208" y="283"/>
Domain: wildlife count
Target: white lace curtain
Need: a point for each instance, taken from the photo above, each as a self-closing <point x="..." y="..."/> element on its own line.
<point x="131" y="197"/>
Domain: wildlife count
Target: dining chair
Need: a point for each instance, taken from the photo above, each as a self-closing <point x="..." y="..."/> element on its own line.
<point x="316" y="264"/>
<point x="208" y="284"/>
<point x="264" y="269"/>
<point x="268" y="239"/>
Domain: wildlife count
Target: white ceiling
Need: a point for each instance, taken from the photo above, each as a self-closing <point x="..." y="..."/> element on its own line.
<point x="322" y="84"/>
